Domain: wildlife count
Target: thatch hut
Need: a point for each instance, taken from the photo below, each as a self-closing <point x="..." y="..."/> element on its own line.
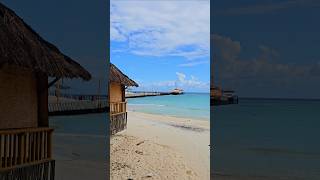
<point x="118" y="82"/>
<point x="26" y="62"/>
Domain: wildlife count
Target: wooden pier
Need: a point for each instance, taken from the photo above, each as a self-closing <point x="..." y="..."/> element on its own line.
<point x="71" y="104"/>
<point x="77" y="104"/>
<point x="136" y="94"/>
<point x="223" y="100"/>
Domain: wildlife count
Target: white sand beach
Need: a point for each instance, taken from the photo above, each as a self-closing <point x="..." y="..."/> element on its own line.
<point x="161" y="147"/>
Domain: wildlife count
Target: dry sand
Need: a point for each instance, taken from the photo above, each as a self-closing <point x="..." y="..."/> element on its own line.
<point x="161" y="147"/>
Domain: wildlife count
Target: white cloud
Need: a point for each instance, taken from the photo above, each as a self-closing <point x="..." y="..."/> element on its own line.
<point x="116" y="35"/>
<point x="263" y="69"/>
<point x="162" y="28"/>
<point x="228" y="48"/>
<point x="164" y="84"/>
<point x="181" y="76"/>
<point x="193" y="63"/>
<point x="193" y="82"/>
<point x="183" y="82"/>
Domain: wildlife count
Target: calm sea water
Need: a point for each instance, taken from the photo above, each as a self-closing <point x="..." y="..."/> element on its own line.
<point x="79" y="137"/>
<point x="267" y="139"/>
<point x="87" y="124"/>
<point x="190" y="105"/>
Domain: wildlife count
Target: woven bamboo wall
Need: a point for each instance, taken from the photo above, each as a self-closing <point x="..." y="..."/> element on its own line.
<point x="18" y="99"/>
<point x="115" y="92"/>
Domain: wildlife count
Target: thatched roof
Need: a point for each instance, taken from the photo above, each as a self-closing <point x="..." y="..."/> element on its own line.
<point x="23" y="47"/>
<point x="117" y="76"/>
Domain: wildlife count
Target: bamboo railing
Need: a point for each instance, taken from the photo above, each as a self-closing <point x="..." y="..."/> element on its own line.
<point x="20" y="147"/>
<point x="118" y="117"/>
<point x="37" y="171"/>
<point x="118" y="107"/>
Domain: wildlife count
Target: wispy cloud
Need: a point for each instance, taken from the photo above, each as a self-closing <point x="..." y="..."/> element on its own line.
<point x="269" y="7"/>
<point x="162" y="28"/>
<point x="192" y="82"/>
<point x="182" y="81"/>
<point x="193" y="63"/>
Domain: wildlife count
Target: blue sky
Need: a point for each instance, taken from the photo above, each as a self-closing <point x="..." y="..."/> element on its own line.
<point x="267" y="48"/>
<point x="161" y="44"/>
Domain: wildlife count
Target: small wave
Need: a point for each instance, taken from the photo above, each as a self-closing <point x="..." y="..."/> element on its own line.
<point x="197" y="109"/>
<point x="159" y="105"/>
<point x="185" y="127"/>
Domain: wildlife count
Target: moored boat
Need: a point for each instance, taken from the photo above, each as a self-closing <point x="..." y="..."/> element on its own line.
<point x="177" y="91"/>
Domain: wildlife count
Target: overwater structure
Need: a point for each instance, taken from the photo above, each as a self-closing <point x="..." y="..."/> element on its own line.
<point x="219" y="96"/>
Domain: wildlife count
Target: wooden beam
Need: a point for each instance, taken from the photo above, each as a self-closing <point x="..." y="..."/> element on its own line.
<point x="54" y="81"/>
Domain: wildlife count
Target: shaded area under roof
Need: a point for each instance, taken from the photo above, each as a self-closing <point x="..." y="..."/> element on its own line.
<point x="23" y="47"/>
<point x="117" y="76"/>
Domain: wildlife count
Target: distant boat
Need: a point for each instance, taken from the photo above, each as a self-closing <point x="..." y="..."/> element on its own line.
<point x="219" y="96"/>
<point x="177" y="91"/>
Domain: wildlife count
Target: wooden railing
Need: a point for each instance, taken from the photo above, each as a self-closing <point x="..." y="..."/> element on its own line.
<point x="89" y="97"/>
<point x="118" y="107"/>
<point x="41" y="171"/>
<point x="21" y="147"/>
<point x="118" y="117"/>
<point x="76" y="105"/>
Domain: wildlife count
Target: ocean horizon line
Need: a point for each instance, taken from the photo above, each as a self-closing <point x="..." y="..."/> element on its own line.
<point x="202" y="92"/>
<point x="279" y="98"/>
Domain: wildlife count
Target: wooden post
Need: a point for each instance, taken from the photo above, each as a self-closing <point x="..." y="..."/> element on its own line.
<point x="99" y="91"/>
<point x="58" y="90"/>
<point x="50" y="144"/>
<point x="123" y="89"/>
<point x="42" y="91"/>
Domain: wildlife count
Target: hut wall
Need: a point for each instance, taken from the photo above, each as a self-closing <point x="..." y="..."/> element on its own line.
<point x="18" y="99"/>
<point x="116" y="94"/>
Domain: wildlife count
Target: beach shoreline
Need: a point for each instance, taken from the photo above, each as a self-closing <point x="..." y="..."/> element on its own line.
<point x="161" y="147"/>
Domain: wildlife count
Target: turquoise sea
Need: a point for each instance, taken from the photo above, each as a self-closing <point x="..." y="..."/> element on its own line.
<point x="267" y="139"/>
<point x="189" y="105"/>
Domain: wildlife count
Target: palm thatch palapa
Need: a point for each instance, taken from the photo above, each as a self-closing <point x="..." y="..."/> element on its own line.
<point x="26" y="62"/>
<point x="118" y="110"/>
<point x="116" y="76"/>
<point x="21" y="46"/>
